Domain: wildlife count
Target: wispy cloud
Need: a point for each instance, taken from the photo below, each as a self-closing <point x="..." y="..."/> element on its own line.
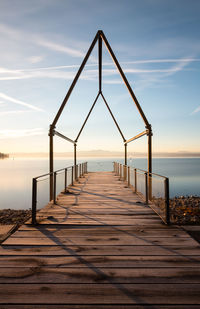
<point x="13" y="112"/>
<point x="162" y="60"/>
<point x="58" y="47"/>
<point x="4" y="134"/>
<point x="35" y="59"/>
<point x="39" y="40"/>
<point x="19" y="102"/>
<point x="197" y="110"/>
<point x="178" y="67"/>
<point x="67" y="72"/>
<point x="113" y="81"/>
<point x="48" y="72"/>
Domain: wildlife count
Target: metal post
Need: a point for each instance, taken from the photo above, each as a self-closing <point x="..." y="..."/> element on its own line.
<point x="100" y="62"/>
<point x="135" y="170"/>
<point x="75" y="161"/>
<point x="167" y="201"/>
<point x="54" y="187"/>
<point x="34" y="201"/>
<point x="120" y="173"/>
<point x="125" y="154"/>
<point x="150" y="163"/>
<point x="146" y="186"/>
<point x="76" y="176"/>
<point x="81" y="173"/>
<point x="128" y="176"/>
<point x="65" y="189"/>
<point x="72" y="175"/>
<point x="124" y="173"/>
<point x="51" y="134"/>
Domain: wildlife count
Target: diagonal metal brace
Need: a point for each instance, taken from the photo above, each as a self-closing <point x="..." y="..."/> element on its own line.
<point x="87" y="118"/>
<point x="115" y="121"/>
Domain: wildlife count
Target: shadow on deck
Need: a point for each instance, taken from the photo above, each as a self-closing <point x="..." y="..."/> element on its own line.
<point x="101" y="246"/>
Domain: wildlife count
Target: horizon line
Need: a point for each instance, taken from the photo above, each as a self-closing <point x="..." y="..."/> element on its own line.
<point x="107" y="153"/>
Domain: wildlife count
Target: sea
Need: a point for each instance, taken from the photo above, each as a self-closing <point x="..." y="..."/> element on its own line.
<point x="16" y="176"/>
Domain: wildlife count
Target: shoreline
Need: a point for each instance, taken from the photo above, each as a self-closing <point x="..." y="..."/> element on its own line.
<point x="12" y="216"/>
<point x="185" y="210"/>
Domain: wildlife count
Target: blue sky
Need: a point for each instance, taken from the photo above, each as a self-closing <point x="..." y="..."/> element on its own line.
<point x="43" y="43"/>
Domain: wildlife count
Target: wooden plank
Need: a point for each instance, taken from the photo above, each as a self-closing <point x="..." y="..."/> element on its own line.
<point x="102" y="210"/>
<point x="103" y="232"/>
<point x="99" y="250"/>
<point x="121" y="261"/>
<point x="95" y="221"/>
<point x="110" y="240"/>
<point x="107" y="228"/>
<point x="97" y="306"/>
<point x="92" y="293"/>
<point x="120" y="218"/>
<point x="91" y="274"/>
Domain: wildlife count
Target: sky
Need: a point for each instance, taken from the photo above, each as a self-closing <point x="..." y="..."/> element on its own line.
<point x="43" y="43"/>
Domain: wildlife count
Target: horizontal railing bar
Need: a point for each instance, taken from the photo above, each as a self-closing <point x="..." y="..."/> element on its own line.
<point x="48" y="174"/>
<point x="64" y="137"/>
<point x="153" y="174"/>
<point x="139" y="169"/>
<point x="136" y="137"/>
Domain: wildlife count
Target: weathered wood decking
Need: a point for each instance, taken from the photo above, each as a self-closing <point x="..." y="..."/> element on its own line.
<point x="100" y="247"/>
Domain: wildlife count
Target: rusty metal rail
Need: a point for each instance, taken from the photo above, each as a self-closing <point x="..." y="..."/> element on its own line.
<point x="154" y="188"/>
<point x="76" y="171"/>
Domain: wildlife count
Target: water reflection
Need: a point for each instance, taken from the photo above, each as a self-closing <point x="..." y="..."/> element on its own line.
<point x="16" y="176"/>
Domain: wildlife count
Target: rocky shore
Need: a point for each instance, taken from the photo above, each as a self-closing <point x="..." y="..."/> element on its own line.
<point x="185" y="210"/>
<point x="11" y="216"/>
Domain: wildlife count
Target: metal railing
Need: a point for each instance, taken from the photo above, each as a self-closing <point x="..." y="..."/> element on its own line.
<point x="69" y="175"/>
<point x="153" y="188"/>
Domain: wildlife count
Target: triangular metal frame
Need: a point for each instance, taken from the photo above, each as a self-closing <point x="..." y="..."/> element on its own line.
<point x="99" y="37"/>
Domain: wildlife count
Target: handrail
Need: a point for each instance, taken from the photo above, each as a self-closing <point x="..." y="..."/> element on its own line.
<point x="139" y="169"/>
<point x="48" y="174"/>
<point x="124" y="172"/>
<point x="82" y="168"/>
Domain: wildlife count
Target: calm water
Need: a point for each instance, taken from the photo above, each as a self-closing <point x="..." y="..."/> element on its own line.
<point x="16" y="176"/>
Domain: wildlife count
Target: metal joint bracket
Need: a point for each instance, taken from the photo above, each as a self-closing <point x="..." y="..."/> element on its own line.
<point x="149" y="130"/>
<point x="51" y="131"/>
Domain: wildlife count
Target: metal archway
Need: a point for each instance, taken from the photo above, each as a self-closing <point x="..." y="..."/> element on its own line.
<point x="99" y="37"/>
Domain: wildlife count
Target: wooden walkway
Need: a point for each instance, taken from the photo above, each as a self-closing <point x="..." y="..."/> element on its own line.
<point x="100" y="247"/>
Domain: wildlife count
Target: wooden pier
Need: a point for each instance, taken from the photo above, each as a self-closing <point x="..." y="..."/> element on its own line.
<point x="99" y="247"/>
